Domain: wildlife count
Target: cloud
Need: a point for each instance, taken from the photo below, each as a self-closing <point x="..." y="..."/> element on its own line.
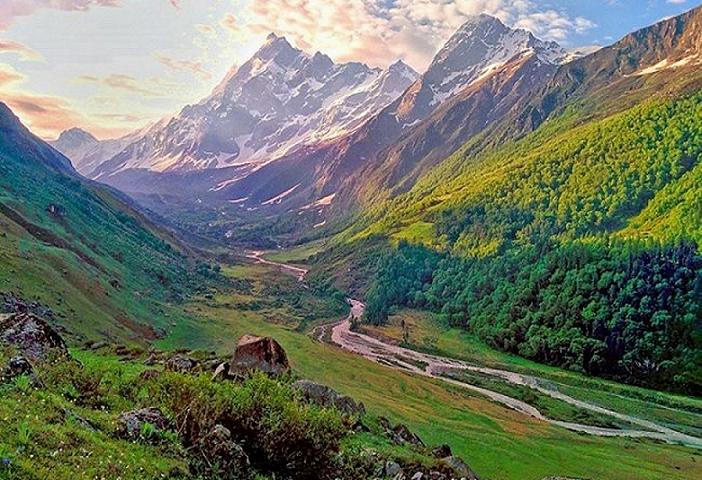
<point x="190" y="66"/>
<point x="552" y="25"/>
<point x="11" y="9"/>
<point x="22" y="51"/>
<point x="381" y="32"/>
<point x="48" y="116"/>
<point x="9" y="75"/>
<point x="122" y="82"/>
<point x="45" y="116"/>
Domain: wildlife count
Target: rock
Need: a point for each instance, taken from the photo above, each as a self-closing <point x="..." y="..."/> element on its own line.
<point x="261" y="354"/>
<point x="434" y="475"/>
<point x="97" y="345"/>
<point x="392" y="469"/>
<point x="152" y="359"/>
<point x="418" y="476"/>
<point x="223" y="458"/>
<point x="130" y="424"/>
<point x="32" y="336"/>
<point x="460" y="468"/>
<point x="181" y="363"/>
<point x="17" y="367"/>
<point x="328" y="397"/>
<point x="400" y="434"/>
<point x="221" y="373"/>
<point x="441" y="451"/>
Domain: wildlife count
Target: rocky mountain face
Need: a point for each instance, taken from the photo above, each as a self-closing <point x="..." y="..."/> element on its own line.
<point x="473" y="80"/>
<point x="664" y="57"/>
<point x="482" y="46"/>
<point x="282" y="97"/>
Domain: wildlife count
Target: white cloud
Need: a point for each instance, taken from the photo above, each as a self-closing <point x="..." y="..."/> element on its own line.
<point x="379" y="32"/>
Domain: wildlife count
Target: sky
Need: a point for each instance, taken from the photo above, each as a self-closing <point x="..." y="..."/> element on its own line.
<point x="113" y="66"/>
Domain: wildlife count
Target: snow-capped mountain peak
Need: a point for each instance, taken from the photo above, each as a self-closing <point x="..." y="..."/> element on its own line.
<point x="281" y="98"/>
<point x="480" y="47"/>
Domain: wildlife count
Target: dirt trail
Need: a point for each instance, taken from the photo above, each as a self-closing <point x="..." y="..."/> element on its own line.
<point x="434" y="366"/>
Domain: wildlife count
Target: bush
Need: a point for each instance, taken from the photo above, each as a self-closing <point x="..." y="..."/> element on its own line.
<point x="281" y="435"/>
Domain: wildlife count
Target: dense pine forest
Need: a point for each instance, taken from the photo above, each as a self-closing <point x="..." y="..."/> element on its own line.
<point x="579" y="250"/>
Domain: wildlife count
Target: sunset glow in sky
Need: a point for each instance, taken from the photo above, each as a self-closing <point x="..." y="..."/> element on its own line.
<point x="112" y="66"/>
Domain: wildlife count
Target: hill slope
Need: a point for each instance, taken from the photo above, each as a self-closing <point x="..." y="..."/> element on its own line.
<point x="576" y="245"/>
<point x="80" y="247"/>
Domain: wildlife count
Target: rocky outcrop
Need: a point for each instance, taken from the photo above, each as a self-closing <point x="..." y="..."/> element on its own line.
<point x="32" y="336"/>
<point x="441" y="451"/>
<point x="460" y="467"/>
<point x="400" y="434"/>
<point x="11" y="303"/>
<point x="130" y="425"/>
<point x="181" y="363"/>
<point x="258" y="354"/>
<point x="328" y="397"/>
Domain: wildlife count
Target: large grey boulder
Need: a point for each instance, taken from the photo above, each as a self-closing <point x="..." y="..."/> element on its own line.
<point x="328" y="397"/>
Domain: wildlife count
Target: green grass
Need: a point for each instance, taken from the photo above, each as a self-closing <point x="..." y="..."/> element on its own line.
<point x="497" y="442"/>
<point x="297" y="255"/>
<point x="426" y="332"/>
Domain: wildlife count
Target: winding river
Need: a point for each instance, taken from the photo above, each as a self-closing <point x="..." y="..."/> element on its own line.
<point x="433" y="366"/>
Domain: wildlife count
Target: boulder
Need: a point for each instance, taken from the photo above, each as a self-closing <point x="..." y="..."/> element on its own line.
<point x="262" y="354"/>
<point x="441" y="451"/>
<point x="97" y="345"/>
<point x="223" y="458"/>
<point x="460" y="468"/>
<point x="17" y="367"/>
<point x="130" y="424"/>
<point x="181" y="363"/>
<point x="402" y="434"/>
<point x="392" y="469"/>
<point x="32" y="336"/>
<point x="221" y="373"/>
<point x="328" y="397"/>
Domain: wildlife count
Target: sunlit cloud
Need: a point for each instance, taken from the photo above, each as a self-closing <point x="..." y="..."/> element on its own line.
<point x="381" y="32"/>
<point x="9" y="75"/>
<point x="22" y="51"/>
<point x="190" y="66"/>
<point x="123" y="82"/>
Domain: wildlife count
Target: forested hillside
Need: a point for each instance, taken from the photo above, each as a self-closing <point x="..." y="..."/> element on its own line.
<point x="576" y="249"/>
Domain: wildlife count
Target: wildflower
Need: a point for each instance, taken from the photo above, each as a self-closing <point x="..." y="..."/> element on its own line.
<point x="6" y="462"/>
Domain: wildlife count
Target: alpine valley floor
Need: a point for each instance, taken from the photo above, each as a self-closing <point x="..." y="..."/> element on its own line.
<point x="497" y="441"/>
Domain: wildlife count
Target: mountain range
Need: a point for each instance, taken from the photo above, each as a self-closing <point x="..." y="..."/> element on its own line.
<point x="503" y="250"/>
<point x="285" y="113"/>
